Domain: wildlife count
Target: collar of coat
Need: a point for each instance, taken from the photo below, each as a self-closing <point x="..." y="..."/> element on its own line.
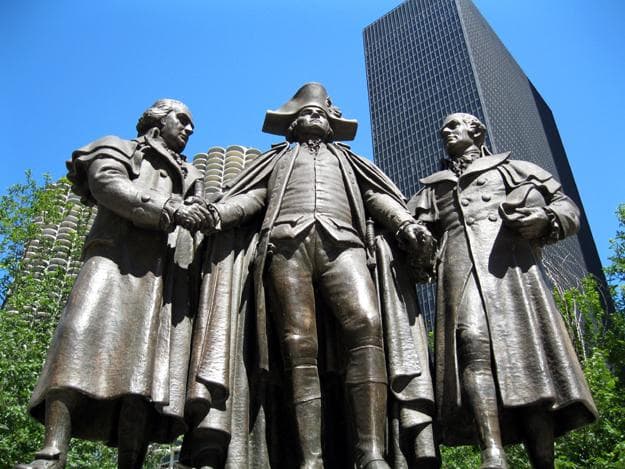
<point x="478" y="166"/>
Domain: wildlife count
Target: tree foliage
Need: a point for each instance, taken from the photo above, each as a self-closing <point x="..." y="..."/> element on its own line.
<point x="616" y="270"/>
<point x="18" y="208"/>
<point x="32" y="306"/>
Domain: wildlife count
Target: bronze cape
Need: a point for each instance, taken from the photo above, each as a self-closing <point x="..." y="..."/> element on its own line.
<point x="234" y="351"/>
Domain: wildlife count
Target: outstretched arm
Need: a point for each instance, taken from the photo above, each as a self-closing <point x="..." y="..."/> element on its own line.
<point x="238" y="210"/>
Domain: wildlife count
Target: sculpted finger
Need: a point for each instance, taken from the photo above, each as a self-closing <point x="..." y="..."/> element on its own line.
<point x="193" y="217"/>
<point x="187" y="224"/>
<point x="411" y="234"/>
<point x="202" y="210"/>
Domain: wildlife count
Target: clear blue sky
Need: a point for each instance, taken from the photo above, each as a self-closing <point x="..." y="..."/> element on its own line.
<point x="74" y="70"/>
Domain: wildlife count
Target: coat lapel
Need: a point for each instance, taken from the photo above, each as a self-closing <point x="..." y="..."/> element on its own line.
<point x="446" y="175"/>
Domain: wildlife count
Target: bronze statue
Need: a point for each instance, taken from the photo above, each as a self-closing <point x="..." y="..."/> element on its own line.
<point x="311" y="198"/>
<point x="505" y="368"/>
<point x="115" y="371"/>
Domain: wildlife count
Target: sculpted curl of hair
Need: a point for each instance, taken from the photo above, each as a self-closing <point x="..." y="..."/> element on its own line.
<point x="152" y="117"/>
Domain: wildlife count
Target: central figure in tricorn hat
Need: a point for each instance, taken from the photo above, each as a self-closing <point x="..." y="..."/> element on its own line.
<point x="315" y="265"/>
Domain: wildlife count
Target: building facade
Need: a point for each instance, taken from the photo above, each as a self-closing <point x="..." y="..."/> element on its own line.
<point x="426" y="59"/>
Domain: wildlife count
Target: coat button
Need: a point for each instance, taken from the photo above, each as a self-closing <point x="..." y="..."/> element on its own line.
<point x="492" y="217"/>
<point x="162" y="173"/>
<point x="480" y="181"/>
<point x="486" y="197"/>
<point x="464" y="202"/>
<point x="470" y="220"/>
<point x="145" y="197"/>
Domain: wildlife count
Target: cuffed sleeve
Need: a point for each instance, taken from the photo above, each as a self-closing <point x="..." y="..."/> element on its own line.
<point x="167" y="221"/>
<point x="564" y="215"/>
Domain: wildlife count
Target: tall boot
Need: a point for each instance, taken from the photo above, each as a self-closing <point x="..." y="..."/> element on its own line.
<point x="132" y="433"/>
<point x="131" y="458"/>
<point x="368" y="405"/>
<point x="480" y="389"/>
<point x="307" y="408"/>
<point x="366" y="384"/>
<point x="539" y="439"/>
<point x="58" y="431"/>
<point x="481" y="392"/>
<point x="308" y="420"/>
<point x="204" y="448"/>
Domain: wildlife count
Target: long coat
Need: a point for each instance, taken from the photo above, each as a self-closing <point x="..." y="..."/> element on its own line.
<point x="117" y="335"/>
<point x="233" y="363"/>
<point x="533" y="358"/>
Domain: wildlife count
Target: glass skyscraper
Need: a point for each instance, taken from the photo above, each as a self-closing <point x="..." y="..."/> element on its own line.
<point x="429" y="58"/>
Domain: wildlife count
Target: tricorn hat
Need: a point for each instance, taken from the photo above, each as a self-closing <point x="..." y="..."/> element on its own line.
<point x="311" y="94"/>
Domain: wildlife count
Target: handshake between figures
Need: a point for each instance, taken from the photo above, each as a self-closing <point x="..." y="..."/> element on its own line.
<point x="420" y="245"/>
<point x="194" y="214"/>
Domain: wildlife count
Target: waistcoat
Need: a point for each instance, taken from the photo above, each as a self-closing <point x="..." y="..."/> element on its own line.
<point x="316" y="191"/>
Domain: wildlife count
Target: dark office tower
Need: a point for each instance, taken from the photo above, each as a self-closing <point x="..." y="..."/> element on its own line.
<point x="429" y="58"/>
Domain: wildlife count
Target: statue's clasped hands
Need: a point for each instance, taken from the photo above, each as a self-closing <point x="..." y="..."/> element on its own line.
<point x="417" y="240"/>
<point x="194" y="215"/>
<point x="415" y="237"/>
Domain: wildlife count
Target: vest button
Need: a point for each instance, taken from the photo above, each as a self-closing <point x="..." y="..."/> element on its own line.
<point x="464" y="202"/>
<point x="486" y="197"/>
<point x="480" y="181"/>
<point x="470" y="220"/>
<point x="492" y="217"/>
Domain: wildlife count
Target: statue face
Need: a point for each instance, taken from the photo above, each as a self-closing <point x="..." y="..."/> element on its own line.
<point x="177" y="127"/>
<point x="456" y="135"/>
<point x="312" y="122"/>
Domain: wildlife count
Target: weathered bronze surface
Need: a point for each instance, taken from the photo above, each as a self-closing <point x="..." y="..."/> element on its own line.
<point x="300" y="343"/>
<point x="117" y="367"/>
<point x="300" y="360"/>
<point x="506" y="370"/>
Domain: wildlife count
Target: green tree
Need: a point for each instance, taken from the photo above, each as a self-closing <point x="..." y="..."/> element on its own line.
<point x="616" y="270"/>
<point x="616" y="277"/>
<point x="599" y="445"/>
<point x="32" y="303"/>
<point x="18" y="209"/>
